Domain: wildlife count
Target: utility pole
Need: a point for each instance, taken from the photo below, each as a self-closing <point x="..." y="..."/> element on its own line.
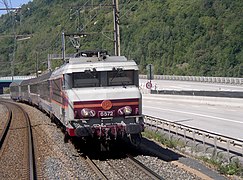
<point x="15" y="36"/>
<point x="49" y="62"/>
<point x="37" y="64"/>
<point x="116" y="28"/>
<point x="63" y="47"/>
<point x="74" y="38"/>
<point x="13" y="57"/>
<point x="14" y="50"/>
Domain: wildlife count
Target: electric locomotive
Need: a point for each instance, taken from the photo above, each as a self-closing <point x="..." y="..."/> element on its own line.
<point x="93" y="96"/>
<point x="97" y="95"/>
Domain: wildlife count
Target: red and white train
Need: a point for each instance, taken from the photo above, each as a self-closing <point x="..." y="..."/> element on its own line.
<point x="94" y="95"/>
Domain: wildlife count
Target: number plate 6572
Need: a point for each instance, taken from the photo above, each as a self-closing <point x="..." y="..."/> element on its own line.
<point x="105" y="113"/>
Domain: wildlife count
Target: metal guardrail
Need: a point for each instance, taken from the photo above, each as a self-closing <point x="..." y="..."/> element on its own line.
<point x="229" y="94"/>
<point x="226" y="80"/>
<point x="9" y="78"/>
<point x="217" y="141"/>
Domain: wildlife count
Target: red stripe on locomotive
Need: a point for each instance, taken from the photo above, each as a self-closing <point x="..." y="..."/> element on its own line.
<point x="97" y="106"/>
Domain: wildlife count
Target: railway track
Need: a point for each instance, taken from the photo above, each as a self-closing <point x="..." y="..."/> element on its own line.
<point x="6" y="126"/>
<point x="95" y="168"/>
<point x="17" y="148"/>
<point x="62" y="161"/>
<point x="130" y="166"/>
<point x="143" y="168"/>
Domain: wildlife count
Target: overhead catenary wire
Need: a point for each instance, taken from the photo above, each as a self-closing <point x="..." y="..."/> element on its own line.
<point x="91" y="19"/>
<point x="5" y="2"/>
<point x="124" y="14"/>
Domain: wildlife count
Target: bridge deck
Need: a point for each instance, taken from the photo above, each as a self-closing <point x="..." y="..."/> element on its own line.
<point x="6" y="81"/>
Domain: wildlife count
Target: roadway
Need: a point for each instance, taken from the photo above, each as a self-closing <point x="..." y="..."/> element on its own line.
<point x="218" y="115"/>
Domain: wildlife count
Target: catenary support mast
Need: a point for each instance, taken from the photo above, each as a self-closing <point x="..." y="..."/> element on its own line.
<point x="116" y="28"/>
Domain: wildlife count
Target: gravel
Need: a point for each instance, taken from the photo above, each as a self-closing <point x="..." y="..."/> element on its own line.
<point x="56" y="159"/>
<point x="166" y="170"/>
<point x="3" y="116"/>
<point x="14" y="150"/>
<point x="121" y="169"/>
<point x="59" y="160"/>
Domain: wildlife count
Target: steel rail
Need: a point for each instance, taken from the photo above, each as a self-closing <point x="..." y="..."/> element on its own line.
<point x="32" y="163"/>
<point x="144" y="168"/>
<point x="95" y="168"/>
<point x="31" y="160"/>
<point x="6" y="127"/>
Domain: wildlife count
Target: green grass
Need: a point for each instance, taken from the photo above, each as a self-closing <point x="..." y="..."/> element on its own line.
<point x="162" y="139"/>
<point x="232" y="168"/>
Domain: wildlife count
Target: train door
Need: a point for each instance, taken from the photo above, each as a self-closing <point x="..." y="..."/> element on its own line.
<point x="63" y="113"/>
<point x="56" y="98"/>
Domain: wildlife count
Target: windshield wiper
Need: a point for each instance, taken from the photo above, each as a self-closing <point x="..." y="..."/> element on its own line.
<point x="118" y="71"/>
<point x="90" y="73"/>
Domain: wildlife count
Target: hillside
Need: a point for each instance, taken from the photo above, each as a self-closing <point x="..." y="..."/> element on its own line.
<point x="190" y="37"/>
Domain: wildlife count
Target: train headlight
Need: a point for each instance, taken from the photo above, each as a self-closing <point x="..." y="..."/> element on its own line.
<point x="127" y="110"/>
<point x="88" y="113"/>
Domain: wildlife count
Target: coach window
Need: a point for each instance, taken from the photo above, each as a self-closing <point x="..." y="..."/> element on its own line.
<point x="33" y="88"/>
<point x="86" y="79"/>
<point x="68" y="81"/>
<point x="44" y="88"/>
<point x="56" y="90"/>
<point x="136" y="78"/>
<point x="103" y="78"/>
<point x="119" y="77"/>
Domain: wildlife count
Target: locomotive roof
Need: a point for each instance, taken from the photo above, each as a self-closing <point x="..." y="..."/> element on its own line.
<point x="107" y="63"/>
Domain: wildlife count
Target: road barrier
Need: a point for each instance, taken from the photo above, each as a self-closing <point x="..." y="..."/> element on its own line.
<point x="217" y="141"/>
<point x="225" y="80"/>
<point x="230" y="94"/>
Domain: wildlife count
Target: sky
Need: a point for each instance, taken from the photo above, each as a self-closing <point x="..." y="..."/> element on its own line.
<point x="15" y="3"/>
<point x="18" y="3"/>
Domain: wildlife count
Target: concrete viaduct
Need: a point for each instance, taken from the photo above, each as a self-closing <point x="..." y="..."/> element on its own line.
<point x="6" y="81"/>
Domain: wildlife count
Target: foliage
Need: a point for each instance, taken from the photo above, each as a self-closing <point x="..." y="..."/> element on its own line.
<point x="232" y="168"/>
<point x="162" y="139"/>
<point x="190" y="37"/>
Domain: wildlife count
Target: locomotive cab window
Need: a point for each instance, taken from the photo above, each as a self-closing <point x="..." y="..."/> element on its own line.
<point x="86" y="79"/>
<point x="120" y="77"/>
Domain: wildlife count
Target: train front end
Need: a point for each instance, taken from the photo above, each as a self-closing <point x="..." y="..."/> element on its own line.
<point x="103" y="99"/>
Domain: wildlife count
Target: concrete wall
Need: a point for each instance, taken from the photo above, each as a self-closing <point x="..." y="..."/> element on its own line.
<point x="225" y="80"/>
<point x="201" y="93"/>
